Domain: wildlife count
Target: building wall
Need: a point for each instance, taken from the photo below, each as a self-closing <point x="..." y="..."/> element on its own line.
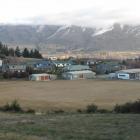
<point x="42" y="77"/>
<point x="0" y="63"/>
<point x="72" y="76"/>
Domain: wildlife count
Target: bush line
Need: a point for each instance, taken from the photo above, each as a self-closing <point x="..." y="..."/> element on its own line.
<point x="129" y="107"/>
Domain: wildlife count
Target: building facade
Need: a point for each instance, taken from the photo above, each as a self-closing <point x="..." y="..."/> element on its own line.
<point x="42" y="77"/>
<point x="14" y="68"/>
<point x="75" y="75"/>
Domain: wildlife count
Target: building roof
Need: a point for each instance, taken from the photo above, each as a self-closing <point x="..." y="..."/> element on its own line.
<point x="80" y="72"/>
<point x="60" y="61"/>
<point x="76" y="68"/>
<point x="42" y="74"/>
<point x="130" y="71"/>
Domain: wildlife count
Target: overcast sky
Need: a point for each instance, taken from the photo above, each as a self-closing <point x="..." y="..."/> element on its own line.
<point x="77" y="12"/>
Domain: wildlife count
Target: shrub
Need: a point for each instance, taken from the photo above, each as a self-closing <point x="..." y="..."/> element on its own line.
<point x="13" y="107"/>
<point x="80" y="110"/>
<point x="91" y="108"/>
<point x="130" y="107"/>
<point x="59" y="111"/>
<point x="30" y="111"/>
<point x="103" y="111"/>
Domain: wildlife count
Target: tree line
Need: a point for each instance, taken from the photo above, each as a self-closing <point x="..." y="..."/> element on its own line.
<point x="5" y="51"/>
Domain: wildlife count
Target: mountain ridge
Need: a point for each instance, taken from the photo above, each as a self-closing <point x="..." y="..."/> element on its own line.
<point x="113" y="38"/>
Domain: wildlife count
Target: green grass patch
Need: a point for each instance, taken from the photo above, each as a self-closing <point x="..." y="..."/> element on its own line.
<point x="72" y="126"/>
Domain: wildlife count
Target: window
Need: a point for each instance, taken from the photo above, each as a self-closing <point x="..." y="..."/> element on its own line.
<point x="122" y="75"/>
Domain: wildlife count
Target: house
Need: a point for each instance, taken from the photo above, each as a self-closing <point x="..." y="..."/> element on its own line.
<point x="14" y="71"/>
<point x="61" y="64"/>
<point x="44" y="65"/>
<point x="108" y="67"/>
<point x="92" y="62"/>
<point x="74" y="72"/>
<point x="42" y="77"/>
<point x="52" y="58"/>
<point x="128" y="74"/>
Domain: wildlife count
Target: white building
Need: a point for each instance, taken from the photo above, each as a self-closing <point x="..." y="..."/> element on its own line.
<point x="52" y="58"/>
<point x="42" y="77"/>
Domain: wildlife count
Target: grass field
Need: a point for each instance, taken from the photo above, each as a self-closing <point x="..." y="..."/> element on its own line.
<point x="72" y="95"/>
<point x="70" y="127"/>
<point x="69" y="95"/>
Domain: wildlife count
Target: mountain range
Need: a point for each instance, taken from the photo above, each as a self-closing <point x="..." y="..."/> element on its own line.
<point x="62" y="38"/>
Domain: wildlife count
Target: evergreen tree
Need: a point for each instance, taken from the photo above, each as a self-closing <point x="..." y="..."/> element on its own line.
<point x="37" y="54"/>
<point x="1" y="46"/>
<point x="26" y="53"/>
<point x="31" y="53"/>
<point x="4" y="50"/>
<point x="17" y="52"/>
<point x="11" y="52"/>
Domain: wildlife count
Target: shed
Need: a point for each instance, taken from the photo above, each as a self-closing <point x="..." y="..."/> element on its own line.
<point x="42" y="77"/>
<point x="75" y="75"/>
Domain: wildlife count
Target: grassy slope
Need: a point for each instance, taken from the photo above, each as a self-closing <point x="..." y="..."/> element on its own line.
<point x="69" y="127"/>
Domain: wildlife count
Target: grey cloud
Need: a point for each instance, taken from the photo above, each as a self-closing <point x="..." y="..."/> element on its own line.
<point x="92" y="17"/>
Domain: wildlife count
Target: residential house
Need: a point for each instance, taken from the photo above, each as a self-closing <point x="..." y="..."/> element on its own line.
<point x="108" y="67"/>
<point x="45" y="65"/>
<point x="61" y="64"/>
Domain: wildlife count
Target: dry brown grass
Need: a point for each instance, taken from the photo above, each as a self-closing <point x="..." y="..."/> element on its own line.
<point x="69" y="94"/>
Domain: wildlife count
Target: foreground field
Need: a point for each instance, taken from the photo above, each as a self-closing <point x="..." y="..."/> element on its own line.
<point x="70" y="95"/>
<point x="70" y="127"/>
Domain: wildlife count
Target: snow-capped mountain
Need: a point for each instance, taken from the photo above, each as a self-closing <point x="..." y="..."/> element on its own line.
<point x="114" y="38"/>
